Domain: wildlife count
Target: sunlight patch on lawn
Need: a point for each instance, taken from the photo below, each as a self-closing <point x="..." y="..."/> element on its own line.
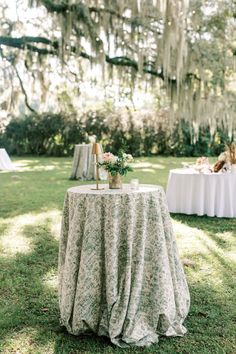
<point x="55" y="226"/>
<point x="25" y="163"/>
<point x="25" y="342"/>
<point x="35" y="165"/>
<point x="226" y="238"/>
<point x="50" y="279"/>
<point x="15" y="241"/>
<point x="212" y="260"/>
<point x="142" y="165"/>
<point x="28" y="168"/>
<point x="188" y="238"/>
<point x="147" y="170"/>
<point x="232" y="257"/>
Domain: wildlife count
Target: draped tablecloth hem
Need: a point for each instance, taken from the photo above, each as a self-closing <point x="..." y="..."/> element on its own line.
<point x="175" y="329"/>
<point x="5" y="162"/>
<point x="215" y="215"/>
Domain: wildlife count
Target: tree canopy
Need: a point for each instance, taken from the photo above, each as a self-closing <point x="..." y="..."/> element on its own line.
<point x="185" y="49"/>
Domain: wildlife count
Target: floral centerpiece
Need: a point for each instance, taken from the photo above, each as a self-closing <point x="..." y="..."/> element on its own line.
<point x="116" y="166"/>
<point x="202" y="165"/>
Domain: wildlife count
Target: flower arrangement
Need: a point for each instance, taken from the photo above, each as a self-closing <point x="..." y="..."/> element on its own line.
<point x="202" y="165"/>
<point x="231" y="153"/>
<point x="117" y="164"/>
<point x="202" y="161"/>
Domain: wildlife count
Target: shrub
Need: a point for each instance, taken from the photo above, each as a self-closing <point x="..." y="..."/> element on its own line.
<point x="48" y="134"/>
<point x="140" y="133"/>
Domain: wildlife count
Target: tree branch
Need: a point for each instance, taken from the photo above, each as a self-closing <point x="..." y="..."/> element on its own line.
<point x="133" y="22"/>
<point x="11" y="60"/>
<point x="80" y="7"/>
<point x="26" y="42"/>
<point x="23" y="43"/>
<point x="82" y="12"/>
<point x="23" y="91"/>
<point x="52" y="47"/>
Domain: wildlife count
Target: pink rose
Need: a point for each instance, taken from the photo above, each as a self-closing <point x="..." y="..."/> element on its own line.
<point x="108" y="157"/>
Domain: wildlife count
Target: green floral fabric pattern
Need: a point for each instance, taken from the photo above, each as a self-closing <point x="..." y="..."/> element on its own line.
<point x="119" y="269"/>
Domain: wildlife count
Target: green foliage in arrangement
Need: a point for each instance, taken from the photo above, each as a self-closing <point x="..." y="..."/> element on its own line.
<point x="117" y="164"/>
<point x="142" y="134"/>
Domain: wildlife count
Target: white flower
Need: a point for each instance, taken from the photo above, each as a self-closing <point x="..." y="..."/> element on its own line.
<point x="108" y="157"/>
<point x="129" y="157"/>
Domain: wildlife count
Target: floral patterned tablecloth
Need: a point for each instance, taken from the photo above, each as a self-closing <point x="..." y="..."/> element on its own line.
<point x="119" y="270"/>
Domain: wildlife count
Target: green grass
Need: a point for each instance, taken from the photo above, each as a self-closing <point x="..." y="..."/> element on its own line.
<point x="31" y="202"/>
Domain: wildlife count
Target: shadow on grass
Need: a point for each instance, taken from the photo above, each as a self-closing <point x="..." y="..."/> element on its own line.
<point x="28" y="302"/>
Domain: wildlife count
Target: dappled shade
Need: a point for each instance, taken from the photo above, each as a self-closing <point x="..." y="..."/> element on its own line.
<point x="29" y="300"/>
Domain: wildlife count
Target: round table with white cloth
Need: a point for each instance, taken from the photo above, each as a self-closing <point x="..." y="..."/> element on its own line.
<point x="5" y="162"/>
<point x="119" y="270"/>
<point x="83" y="167"/>
<point x="211" y="194"/>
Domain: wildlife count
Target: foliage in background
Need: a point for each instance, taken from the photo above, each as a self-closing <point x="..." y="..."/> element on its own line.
<point x="140" y="133"/>
<point x="48" y="134"/>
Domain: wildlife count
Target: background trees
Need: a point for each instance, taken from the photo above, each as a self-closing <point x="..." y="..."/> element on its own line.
<point x="58" y="55"/>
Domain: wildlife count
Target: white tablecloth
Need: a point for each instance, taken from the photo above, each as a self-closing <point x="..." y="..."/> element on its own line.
<point x="119" y="269"/>
<point x="191" y="192"/>
<point x="83" y="166"/>
<point x="5" y="162"/>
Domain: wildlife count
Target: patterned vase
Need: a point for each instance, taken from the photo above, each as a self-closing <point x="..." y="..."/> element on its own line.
<point x="233" y="168"/>
<point x="115" y="182"/>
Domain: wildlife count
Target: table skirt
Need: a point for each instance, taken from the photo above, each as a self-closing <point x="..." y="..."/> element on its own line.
<point x="202" y="194"/>
<point x="119" y="271"/>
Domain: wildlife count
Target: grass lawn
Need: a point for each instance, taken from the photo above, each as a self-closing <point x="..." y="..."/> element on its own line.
<point x="31" y="201"/>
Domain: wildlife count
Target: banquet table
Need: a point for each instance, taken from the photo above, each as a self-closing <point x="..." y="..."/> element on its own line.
<point x="211" y="194"/>
<point x="120" y="275"/>
<point x="83" y="166"/>
<point x="5" y="162"/>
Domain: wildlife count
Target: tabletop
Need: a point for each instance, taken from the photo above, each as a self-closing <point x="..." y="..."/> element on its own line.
<point x="126" y="189"/>
<point x="192" y="171"/>
<point x="119" y="270"/>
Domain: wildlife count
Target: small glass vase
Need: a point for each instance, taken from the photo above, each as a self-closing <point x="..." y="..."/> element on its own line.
<point x="115" y="182"/>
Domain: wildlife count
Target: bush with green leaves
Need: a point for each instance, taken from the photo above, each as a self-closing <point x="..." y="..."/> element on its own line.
<point x="139" y="133"/>
<point x="47" y="134"/>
